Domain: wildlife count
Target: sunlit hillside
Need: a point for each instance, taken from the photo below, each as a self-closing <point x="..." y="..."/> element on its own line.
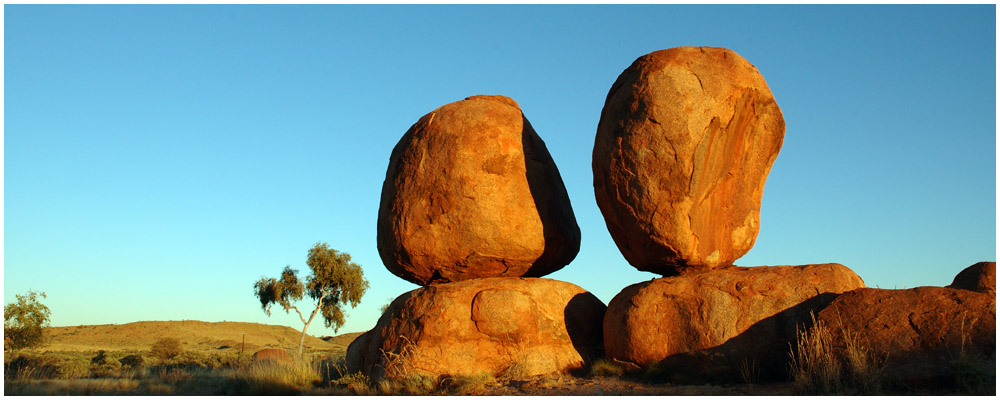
<point x="194" y="335"/>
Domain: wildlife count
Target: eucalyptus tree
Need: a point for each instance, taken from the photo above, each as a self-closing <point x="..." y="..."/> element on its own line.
<point x="335" y="282"/>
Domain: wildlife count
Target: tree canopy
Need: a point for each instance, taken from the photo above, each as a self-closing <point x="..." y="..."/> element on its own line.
<point x="335" y="281"/>
<point x="24" y="321"/>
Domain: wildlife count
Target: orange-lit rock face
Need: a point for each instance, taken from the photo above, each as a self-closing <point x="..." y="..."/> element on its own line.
<point x="921" y="332"/>
<point x="731" y="313"/>
<point x="686" y="139"/>
<point x="978" y="277"/>
<point x="471" y="192"/>
<point x="540" y="326"/>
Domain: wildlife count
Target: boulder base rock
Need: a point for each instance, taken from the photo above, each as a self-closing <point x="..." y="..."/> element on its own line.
<point x="520" y="326"/>
<point x="703" y="326"/>
<point x="472" y="192"/>
<point x="979" y="277"/>
<point x="922" y="332"/>
<point x="685" y="141"/>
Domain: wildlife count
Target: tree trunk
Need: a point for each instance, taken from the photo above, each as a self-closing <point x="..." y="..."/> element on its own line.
<point x="302" y="339"/>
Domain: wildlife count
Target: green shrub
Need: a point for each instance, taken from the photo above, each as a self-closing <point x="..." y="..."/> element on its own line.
<point x="605" y="367"/>
<point x="167" y="348"/>
<point x="100" y="358"/>
<point x="466" y="385"/>
<point x="76" y="368"/>
<point x="356" y="382"/>
<point x="109" y="369"/>
<point x="131" y="361"/>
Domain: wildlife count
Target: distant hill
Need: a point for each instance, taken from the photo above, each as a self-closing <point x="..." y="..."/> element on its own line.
<point x="194" y="335"/>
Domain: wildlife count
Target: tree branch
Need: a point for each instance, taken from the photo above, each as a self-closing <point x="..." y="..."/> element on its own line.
<point x="291" y="307"/>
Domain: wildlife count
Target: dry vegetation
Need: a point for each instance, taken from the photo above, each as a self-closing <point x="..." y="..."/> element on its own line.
<point x="120" y="359"/>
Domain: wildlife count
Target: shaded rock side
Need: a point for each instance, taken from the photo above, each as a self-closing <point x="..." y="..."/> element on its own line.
<point x="512" y="326"/>
<point x="978" y="277"/>
<point x="472" y="192"/>
<point x="922" y="333"/>
<point x="685" y="141"/>
<point x="701" y="327"/>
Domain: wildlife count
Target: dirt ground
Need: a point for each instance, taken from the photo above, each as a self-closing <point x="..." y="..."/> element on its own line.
<point x="608" y="386"/>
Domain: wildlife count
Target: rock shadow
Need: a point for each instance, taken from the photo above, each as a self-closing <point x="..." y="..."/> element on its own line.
<point x="760" y="353"/>
<point x="560" y="230"/>
<point x="584" y="319"/>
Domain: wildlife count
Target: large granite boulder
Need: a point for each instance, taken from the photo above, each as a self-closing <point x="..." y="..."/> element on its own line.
<point x="978" y="277"/>
<point x="472" y="192"/>
<point x="703" y="326"/>
<point x="685" y="141"/>
<point x="923" y="334"/>
<point x="520" y="326"/>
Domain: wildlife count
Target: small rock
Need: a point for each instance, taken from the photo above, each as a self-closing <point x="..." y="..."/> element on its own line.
<point x="272" y="356"/>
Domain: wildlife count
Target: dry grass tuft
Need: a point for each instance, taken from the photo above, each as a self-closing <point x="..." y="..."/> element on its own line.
<point x="817" y="367"/>
<point x="605" y="367"/>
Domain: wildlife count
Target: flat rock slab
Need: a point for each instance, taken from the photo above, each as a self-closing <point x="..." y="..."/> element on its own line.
<point x="923" y="333"/>
<point x="703" y="326"/>
<point x="685" y="141"/>
<point x="472" y="192"/>
<point x="514" y="326"/>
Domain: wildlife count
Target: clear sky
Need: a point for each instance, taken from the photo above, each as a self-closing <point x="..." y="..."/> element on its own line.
<point x="160" y="159"/>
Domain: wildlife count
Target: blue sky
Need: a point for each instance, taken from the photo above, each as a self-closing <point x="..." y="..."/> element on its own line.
<point x="160" y="159"/>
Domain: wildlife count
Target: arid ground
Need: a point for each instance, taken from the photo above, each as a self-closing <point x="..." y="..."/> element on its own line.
<point x="216" y="359"/>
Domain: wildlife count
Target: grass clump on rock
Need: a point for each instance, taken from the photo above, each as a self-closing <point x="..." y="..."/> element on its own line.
<point x="818" y="367"/>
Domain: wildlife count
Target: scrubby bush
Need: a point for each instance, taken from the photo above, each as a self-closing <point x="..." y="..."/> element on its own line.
<point x="75" y="368"/>
<point x="605" y="367"/>
<point x="100" y="359"/>
<point x="131" y="361"/>
<point x="110" y="368"/>
<point x="24" y="321"/>
<point x="29" y="367"/>
<point x="167" y="348"/>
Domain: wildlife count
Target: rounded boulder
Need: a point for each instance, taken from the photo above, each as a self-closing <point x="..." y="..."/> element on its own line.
<point x="979" y="277"/>
<point x="703" y="326"/>
<point x="515" y="327"/>
<point x="472" y="192"/>
<point x="684" y="145"/>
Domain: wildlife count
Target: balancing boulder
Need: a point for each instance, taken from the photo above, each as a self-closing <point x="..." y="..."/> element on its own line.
<point x="685" y="141"/>
<point x="472" y="192"/>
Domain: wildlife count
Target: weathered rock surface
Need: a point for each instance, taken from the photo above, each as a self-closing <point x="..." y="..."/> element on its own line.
<point x="521" y="326"/>
<point x="685" y="141"/>
<point x="703" y="326"/>
<point x="472" y="192"/>
<point x="272" y="356"/>
<point x="923" y="332"/>
<point x="979" y="277"/>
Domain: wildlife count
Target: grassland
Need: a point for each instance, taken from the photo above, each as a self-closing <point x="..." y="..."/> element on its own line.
<point x="102" y="360"/>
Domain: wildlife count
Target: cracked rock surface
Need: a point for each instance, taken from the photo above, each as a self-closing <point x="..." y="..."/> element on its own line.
<point x="472" y="192"/>
<point x="922" y="333"/>
<point x="685" y="141"/>
<point x="498" y="326"/>
<point x="704" y="325"/>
